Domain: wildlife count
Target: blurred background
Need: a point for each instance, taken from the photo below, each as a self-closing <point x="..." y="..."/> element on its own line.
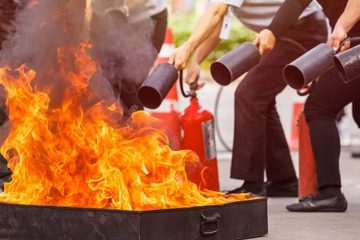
<point x="183" y="17"/>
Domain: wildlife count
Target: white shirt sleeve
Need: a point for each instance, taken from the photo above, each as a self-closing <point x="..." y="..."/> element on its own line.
<point x="234" y="3"/>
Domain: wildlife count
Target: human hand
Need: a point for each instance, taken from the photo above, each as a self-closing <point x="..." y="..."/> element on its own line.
<point x="265" y="40"/>
<point x="192" y="77"/>
<point x="337" y="37"/>
<point x="180" y="57"/>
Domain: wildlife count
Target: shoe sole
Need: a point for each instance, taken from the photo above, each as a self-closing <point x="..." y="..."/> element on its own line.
<point x="342" y="209"/>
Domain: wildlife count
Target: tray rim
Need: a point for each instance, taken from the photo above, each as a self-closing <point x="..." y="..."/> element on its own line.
<point x="111" y="210"/>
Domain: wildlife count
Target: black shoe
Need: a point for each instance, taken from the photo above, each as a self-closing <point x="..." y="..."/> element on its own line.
<point x="254" y="188"/>
<point x="282" y="189"/>
<point x="314" y="204"/>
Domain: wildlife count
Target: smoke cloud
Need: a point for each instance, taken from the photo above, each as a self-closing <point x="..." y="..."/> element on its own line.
<point x="122" y="49"/>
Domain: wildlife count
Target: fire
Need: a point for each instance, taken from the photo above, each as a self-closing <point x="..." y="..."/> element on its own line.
<point x="84" y="155"/>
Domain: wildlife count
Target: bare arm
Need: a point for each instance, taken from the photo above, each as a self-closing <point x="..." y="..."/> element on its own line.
<point x="347" y="20"/>
<point x="203" y="51"/>
<point x="211" y="20"/>
<point x="350" y="16"/>
<point x="201" y="54"/>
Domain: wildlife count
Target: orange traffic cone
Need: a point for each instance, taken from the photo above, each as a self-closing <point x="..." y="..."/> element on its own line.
<point x="308" y="184"/>
<point x="167" y="47"/>
<point x="168" y="110"/>
<point x="298" y="106"/>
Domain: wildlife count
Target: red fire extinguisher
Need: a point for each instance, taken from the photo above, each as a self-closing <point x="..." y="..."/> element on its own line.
<point x="198" y="134"/>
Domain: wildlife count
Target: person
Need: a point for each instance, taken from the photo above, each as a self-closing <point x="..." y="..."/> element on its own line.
<point x="259" y="139"/>
<point x="127" y="36"/>
<point x="327" y="98"/>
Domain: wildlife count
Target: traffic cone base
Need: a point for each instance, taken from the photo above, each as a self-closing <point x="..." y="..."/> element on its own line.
<point x="294" y="137"/>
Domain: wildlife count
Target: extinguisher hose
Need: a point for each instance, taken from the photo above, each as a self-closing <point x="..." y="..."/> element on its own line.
<point x="193" y="87"/>
<point x="182" y="84"/>
<point x="218" y="96"/>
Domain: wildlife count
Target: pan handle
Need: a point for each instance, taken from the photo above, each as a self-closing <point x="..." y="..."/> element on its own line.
<point x="210" y="224"/>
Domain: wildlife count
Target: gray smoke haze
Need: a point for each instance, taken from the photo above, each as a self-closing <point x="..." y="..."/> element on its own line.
<point x="123" y="50"/>
<point x="41" y="28"/>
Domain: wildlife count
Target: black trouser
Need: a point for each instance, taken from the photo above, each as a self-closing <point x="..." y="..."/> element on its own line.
<point x="327" y="98"/>
<point x="127" y="66"/>
<point x="259" y="140"/>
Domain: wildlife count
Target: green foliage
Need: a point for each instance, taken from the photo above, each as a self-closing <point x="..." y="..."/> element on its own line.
<point x="183" y="25"/>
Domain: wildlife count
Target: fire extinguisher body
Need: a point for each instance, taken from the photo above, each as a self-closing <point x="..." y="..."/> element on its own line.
<point x="199" y="135"/>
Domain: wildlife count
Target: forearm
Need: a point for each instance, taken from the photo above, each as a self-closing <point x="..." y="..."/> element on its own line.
<point x="287" y="16"/>
<point x="211" y="20"/>
<point x="207" y="46"/>
<point x="350" y="16"/>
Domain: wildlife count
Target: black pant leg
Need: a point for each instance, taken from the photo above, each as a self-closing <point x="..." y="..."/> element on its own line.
<point x="257" y="122"/>
<point x="277" y="161"/>
<point x="328" y="97"/>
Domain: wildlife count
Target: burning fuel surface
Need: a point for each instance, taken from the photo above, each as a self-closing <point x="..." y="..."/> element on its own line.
<point x="69" y="144"/>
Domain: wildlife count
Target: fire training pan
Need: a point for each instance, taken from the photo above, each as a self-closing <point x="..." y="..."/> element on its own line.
<point x="239" y="220"/>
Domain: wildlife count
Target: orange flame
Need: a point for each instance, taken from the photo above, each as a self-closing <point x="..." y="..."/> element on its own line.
<point x="76" y="156"/>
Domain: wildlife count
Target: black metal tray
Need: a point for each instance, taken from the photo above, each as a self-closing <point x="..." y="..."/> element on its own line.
<point x="239" y="220"/>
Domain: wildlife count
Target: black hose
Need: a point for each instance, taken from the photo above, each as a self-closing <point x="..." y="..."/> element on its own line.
<point x="182" y="85"/>
<point x="193" y="87"/>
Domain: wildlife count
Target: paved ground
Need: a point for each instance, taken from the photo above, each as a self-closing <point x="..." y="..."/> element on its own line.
<point x="283" y="224"/>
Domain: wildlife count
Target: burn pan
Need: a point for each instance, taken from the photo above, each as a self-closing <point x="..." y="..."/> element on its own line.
<point x="239" y="220"/>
